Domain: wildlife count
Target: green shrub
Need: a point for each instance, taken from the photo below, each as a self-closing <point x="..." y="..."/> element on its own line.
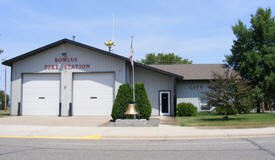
<point x="143" y="101"/>
<point x="244" y="104"/>
<point x="123" y="96"/>
<point x="226" y="111"/>
<point x="186" y="109"/>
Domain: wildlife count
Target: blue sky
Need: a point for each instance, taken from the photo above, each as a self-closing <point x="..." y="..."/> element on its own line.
<point x="199" y="30"/>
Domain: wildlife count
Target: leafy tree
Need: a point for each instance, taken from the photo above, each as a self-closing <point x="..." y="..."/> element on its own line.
<point x="228" y="93"/>
<point x="253" y="54"/>
<point x="2" y="99"/>
<point x="124" y="95"/>
<point x="143" y="101"/>
<point x="163" y="58"/>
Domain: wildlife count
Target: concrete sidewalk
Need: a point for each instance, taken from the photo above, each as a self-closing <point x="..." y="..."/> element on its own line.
<point x="161" y="132"/>
<point x="78" y="121"/>
<point x="70" y="127"/>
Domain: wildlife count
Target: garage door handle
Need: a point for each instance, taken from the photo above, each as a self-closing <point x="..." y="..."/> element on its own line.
<point x="93" y="97"/>
<point x="41" y="97"/>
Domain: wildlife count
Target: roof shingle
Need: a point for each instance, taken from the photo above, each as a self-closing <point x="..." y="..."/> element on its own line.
<point x="194" y="71"/>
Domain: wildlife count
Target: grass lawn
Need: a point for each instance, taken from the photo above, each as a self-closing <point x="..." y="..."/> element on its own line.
<point x="241" y="121"/>
<point x="3" y="114"/>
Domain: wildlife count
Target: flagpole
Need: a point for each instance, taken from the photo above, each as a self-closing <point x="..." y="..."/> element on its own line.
<point x="133" y="71"/>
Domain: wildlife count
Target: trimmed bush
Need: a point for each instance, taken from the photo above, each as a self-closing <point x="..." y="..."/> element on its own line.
<point x="123" y="96"/>
<point x="143" y="101"/>
<point x="226" y="111"/>
<point x="186" y="109"/>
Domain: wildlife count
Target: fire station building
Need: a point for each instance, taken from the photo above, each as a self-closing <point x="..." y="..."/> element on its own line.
<point x="67" y="74"/>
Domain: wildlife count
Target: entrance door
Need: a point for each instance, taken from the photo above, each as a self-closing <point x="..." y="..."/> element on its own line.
<point x="164" y="103"/>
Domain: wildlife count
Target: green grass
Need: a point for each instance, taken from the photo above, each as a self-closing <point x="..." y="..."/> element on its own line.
<point x="3" y="114"/>
<point x="240" y="121"/>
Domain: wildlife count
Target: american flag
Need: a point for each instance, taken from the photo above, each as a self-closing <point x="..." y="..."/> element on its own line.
<point x="131" y="53"/>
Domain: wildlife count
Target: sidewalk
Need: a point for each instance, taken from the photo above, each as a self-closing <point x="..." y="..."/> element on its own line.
<point x="161" y="132"/>
<point x="74" y="127"/>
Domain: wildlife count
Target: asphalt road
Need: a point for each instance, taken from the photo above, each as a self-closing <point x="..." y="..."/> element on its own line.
<point x="201" y="149"/>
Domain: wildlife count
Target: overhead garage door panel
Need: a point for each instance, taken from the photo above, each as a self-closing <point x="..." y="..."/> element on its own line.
<point x="93" y="93"/>
<point x="41" y="94"/>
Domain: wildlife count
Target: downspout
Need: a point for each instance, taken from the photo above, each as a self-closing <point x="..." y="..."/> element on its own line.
<point x="175" y="96"/>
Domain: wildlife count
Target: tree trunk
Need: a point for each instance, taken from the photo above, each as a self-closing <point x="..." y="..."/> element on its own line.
<point x="258" y="107"/>
<point x="263" y="107"/>
<point x="268" y="105"/>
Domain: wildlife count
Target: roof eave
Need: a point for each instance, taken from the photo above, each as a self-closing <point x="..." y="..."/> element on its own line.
<point x="33" y="52"/>
<point x="62" y="41"/>
<point x="159" y="70"/>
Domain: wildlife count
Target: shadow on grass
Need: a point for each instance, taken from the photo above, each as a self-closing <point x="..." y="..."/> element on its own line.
<point x="222" y="119"/>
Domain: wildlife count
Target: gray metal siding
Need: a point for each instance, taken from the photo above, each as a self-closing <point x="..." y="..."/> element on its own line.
<point x="35" y="64"/>
<point x="191" y="91"/>
<point x="153" y="82"/>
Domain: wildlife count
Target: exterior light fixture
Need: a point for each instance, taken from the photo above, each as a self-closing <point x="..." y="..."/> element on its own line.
<point x="64" y="54"/>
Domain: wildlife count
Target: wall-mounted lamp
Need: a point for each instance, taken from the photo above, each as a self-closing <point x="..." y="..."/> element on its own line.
<point x="64" y="54"/>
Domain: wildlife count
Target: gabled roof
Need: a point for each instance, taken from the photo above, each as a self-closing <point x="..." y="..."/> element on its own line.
<point x="63" y="41"/>
<point x="194" y="71"/>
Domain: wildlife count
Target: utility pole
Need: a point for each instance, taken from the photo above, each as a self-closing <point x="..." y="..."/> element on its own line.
<point x="5" y="99"/>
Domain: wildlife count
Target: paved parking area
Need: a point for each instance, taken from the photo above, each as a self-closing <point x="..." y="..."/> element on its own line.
<point x="79" y="121"/>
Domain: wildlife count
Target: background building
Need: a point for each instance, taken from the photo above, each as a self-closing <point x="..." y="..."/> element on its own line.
<point x="196" y="81"/>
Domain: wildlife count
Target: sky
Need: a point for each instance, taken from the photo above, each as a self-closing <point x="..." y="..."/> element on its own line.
<point x="199" y="30"/>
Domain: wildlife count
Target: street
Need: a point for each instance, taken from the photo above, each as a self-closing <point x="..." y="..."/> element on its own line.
<point x="212" y="149"/>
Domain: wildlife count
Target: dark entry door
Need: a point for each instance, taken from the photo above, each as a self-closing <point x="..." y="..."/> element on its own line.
<point x="164" y="103"/>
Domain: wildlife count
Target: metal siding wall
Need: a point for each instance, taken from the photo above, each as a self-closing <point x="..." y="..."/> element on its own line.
<point x="190" y="91"/>
<point x="153" y="82"/>
<point x="35" y="64"/>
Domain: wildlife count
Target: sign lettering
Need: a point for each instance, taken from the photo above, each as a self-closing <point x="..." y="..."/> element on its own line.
<point x="66" y="64"/>
<point x="195" y="87"/>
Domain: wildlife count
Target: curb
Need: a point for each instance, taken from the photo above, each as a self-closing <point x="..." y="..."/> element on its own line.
<point x="181" y="137"/>
<point x="46" y="137"/>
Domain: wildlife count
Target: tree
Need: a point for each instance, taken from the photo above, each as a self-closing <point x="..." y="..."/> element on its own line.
<point x="2" y="99"/>
<point x="143" y="101"/>
<point x="164" y="58"/>
<point x="124" y="95"/>
<point x="253" y="54"/>
<point x="228" y="93"/>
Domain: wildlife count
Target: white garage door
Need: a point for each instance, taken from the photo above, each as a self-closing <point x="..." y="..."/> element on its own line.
<point x="41" y="94"/>
<point x="93" y="93"/>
